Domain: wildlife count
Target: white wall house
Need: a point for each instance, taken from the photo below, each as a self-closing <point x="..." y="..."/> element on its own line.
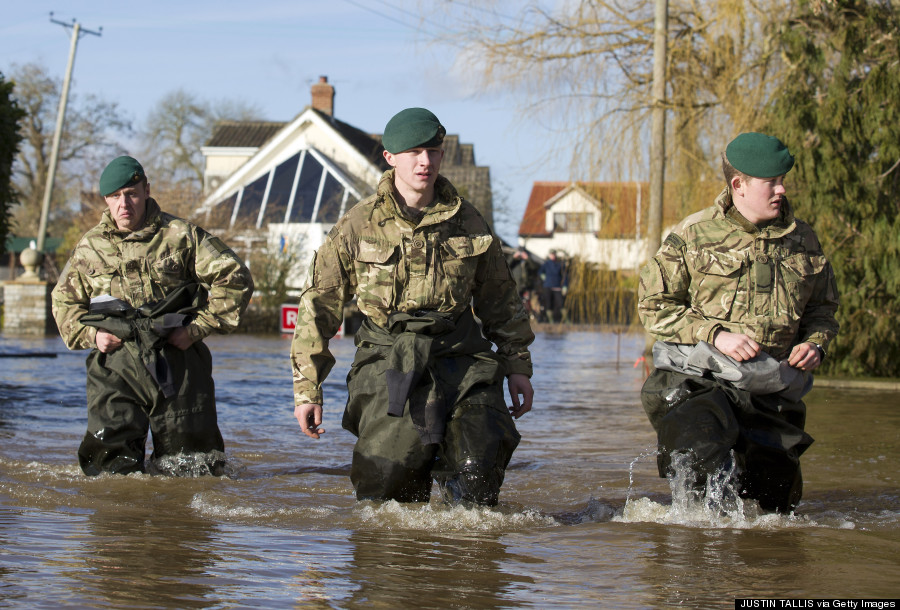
<point x="283" y="186"/>
<point x="598" y="222"/>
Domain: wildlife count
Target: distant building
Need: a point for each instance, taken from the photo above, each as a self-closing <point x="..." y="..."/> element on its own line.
<point x="284" y="185"/>
<point x="600" y="222"/>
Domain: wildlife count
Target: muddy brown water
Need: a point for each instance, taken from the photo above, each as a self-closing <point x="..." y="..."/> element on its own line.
<point x="583" y="521"/>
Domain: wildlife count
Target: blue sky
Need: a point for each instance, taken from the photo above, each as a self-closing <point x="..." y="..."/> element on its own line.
<point x="376" y="53"/>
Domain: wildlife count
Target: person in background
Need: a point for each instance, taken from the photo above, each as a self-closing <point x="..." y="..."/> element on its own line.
<point x="141" y="291"/>
<point x="524" y="272"/>
<point x="425" y="394"/>
<point x="742" y="302"/>
<point x="554" y="286"/>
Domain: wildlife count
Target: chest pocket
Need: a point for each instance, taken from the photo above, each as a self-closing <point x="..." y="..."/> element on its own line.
<point x="459" y="263"/>
<point x="716" y="281"/>
<point x="168" y="272"/>
<point x="102" y="279"/>
<point x="799" y="272"/>
<point x="376" y="273"/>
<point x="459" y="255"/>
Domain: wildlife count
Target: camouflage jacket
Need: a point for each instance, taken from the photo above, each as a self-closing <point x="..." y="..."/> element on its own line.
<point x="447" y="261"/>
<point x="719" y="270"/>
<point x="145" y="265"/>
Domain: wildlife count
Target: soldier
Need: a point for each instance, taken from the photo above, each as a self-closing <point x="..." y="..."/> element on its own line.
<point x="749" y="279"/>
<point x="425" y="390"/>
<point x="141" y="290"/>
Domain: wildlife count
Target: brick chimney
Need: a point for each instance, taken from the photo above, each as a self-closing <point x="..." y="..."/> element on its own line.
<point x="323" y="96"/>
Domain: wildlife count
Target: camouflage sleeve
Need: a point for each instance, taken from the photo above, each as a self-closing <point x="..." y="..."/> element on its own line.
<point x="69" y="301"/>
<point x="664" y="305"/>
<point x="319" y="316"/>
<point x="818" y="323"/>
<point x="228" y="281"/>
<point x="497" y="304"/>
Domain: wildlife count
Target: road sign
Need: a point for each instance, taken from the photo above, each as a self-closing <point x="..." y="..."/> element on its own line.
<point x="289" y="320"/>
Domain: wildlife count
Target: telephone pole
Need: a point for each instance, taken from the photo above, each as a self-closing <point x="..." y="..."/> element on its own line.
<point x="77" y="32"/>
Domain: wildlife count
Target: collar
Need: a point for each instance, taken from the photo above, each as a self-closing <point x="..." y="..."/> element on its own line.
<point x="784" y="224"/>
<point x="445" y="205"/>
<point x="151" y="222"/>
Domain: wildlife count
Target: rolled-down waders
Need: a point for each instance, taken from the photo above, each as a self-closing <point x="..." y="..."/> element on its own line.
<point x="707" y="419"/>
<point x="465" y="444"/>
<point x="124" y="402"/>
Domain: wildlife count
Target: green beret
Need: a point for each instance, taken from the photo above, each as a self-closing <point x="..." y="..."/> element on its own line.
<point x="412" y="128"/>
<point x="759" y="155"/>
<point x="121" y="172"/>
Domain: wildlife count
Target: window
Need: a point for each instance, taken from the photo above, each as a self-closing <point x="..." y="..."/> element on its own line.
<point x="332" y="197"/>
<point x="573" y="222"/>
<point x="307" y="187"/>
<point x="307" y="190"/>
<point x="248" y="209"/>
<point x="280" y="192"/>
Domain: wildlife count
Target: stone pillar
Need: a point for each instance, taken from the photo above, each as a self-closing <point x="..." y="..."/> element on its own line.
<point x="26" y="308"/>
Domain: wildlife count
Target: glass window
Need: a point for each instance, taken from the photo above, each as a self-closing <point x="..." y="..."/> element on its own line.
<point x="307" y="189"/>
<point x="249" y="209"/>
<point x="332" y="196"/>
<point x="573" y="222"/>
<point x="280" y="192"/>
<point x="219" y="215"/>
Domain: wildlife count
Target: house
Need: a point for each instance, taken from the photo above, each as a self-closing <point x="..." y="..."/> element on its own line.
<point x="600" y="222"/>
<point x="283" y="186"/>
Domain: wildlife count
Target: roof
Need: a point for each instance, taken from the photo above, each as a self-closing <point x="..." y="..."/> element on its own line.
<point x="617" y="201"/>
<point x="368" y="145"/>
<point x="243" y="134"/>
<point x="253" y="134"/>
<point x="17" y="244"/>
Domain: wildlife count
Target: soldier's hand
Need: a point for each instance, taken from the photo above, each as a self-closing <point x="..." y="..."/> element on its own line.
<point x="107" y="342"/>
<point x="805" y="356"/>
<point x="737" y="345"/>
<point x="310" y="418"/>
<point x="180" y="338"/>
<point x="520" y="385"/>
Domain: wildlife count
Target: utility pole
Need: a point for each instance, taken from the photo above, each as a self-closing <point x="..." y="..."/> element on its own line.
<point x="658" y="128"/>
<point x="77" y="31"/>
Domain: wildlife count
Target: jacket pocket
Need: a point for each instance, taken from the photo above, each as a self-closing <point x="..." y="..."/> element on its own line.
<point x="717" y="279"/>
<point x="376" y="272"/>
<point x="459" y="256"/>
<point x="799" y="272"/>
<point x="101" y="277"/>
<point x="168" y="272"/>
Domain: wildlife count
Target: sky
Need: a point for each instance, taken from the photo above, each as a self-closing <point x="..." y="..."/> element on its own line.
<point x="378" y="55"/>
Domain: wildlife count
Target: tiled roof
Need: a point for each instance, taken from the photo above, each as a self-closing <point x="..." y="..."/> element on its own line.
<point x="243" y="134"/>
<point x="368" y="145"/>
<point x="533" y="221"/>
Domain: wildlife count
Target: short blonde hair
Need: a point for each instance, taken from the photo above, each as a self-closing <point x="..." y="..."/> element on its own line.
<point x="730" y="171"/>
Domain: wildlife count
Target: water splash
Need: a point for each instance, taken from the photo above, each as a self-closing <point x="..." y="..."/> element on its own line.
<point x="213" y="463"/>
<point x="440" y="517"/>
<point x="646" y="454"/>
<point x="713" y="502"/>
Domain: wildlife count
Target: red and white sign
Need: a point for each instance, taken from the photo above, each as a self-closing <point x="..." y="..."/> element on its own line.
<point x="289" y="320"/>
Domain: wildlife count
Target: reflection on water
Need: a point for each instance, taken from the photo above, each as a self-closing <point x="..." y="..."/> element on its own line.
<point x="583" y="519"/>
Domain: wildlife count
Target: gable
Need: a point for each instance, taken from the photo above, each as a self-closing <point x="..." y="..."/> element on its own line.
<point x="310" y="170"/>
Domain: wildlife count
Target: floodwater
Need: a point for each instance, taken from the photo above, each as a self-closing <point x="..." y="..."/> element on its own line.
<point x="583" y="522"/>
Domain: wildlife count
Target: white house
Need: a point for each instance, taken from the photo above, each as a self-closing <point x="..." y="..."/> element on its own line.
<point x="282" y="186"/>
<point x="600" y="222"/>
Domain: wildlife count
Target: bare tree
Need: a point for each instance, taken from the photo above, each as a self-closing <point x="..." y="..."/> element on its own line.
<point x="175" y="130"/>
<point x="87" y="139"/>
<point x="583" y="70"/>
